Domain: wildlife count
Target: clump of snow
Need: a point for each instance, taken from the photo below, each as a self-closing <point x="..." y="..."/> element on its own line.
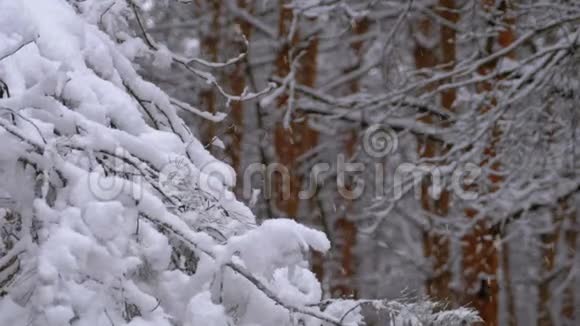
<point x="202" y="311"/>
<point x="163" y="57"/>
<point x="287" y="242"/>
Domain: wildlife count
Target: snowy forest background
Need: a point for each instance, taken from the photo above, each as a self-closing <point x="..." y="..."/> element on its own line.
<point x="289" y="162"/>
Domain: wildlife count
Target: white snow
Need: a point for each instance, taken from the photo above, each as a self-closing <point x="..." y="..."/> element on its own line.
<point x="103" y="242"/>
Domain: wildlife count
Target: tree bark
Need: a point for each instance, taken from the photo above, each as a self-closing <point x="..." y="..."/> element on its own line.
<point x="346" y="230"/>
<point x="480" y="255"/>
<point x="210" y="47"/>
<point x="436" y="247"/>
<point x="563" y="220"/>
<point x="290" y="144"/>
<point x="238" y="84"/>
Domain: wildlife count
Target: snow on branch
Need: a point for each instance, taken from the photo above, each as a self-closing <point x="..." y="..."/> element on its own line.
<point x="123" y="216"/>
<point x="186" y="64"/>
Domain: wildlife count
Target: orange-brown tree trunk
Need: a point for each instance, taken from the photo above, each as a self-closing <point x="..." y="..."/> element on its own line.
<point x="238" y="84"/>
<point x="291" y="143"/>
<point x="436" y="247"/>
<point x="210" y="45"/>
<point x="480" y="255"/>
<point x="343" y="285"/>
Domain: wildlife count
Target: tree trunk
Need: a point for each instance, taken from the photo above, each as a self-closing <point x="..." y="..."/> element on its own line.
<point x="436" y="247"/>
<point x="346" y="230"/>
<point x="563" y="220"/>
<point x="291" y="143"/>
<point x="210" y="47"/>
<point x="569" y="304"/>
<point x="238" y="84"/>
<point x="480" y="255"/>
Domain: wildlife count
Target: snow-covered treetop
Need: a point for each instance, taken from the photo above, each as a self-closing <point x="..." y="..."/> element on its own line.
<point x="119" y="217"/>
